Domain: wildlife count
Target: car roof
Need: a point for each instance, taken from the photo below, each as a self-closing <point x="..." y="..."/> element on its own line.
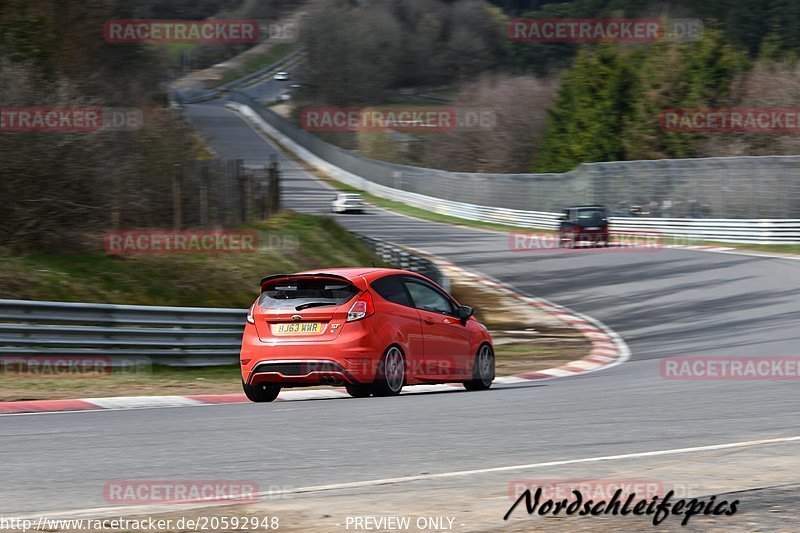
<point x="356" y="275"/>
<point x="353" y="272"/>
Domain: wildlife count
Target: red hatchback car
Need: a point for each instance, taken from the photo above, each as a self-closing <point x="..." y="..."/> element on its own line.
<point x="372" y="329"/>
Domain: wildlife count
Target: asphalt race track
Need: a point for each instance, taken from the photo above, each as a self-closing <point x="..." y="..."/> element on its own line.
<point x="668" y="302"/>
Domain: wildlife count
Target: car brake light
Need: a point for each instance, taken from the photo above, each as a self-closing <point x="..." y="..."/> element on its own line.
<point x="250" y="319"/>
<point x="576" y="229"/>
<point x="362" y="308"/>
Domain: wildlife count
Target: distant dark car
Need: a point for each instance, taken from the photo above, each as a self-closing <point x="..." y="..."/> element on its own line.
<point x="584" y="224"/>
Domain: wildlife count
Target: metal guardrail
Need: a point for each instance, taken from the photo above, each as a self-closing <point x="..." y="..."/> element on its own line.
<point x="767" y="231"/>
<point x="261" y="72"/>
<point x="446" y="193"/>
<point x="195" y="96"/>
<point x="403" y="259"/>
<point x="174" y="336"/>
<point x="171" y="336"/>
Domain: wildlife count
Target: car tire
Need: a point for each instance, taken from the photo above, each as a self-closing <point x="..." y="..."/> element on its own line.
<point x="482" y="369"/>
<point x="264" y="392"/>
<point x="391" y="375"/>
<point x="358" y="390"/>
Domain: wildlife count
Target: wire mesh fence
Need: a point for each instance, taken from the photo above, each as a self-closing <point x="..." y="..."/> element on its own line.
<point x="214" y="194"/>
<point x="722" y="187"/>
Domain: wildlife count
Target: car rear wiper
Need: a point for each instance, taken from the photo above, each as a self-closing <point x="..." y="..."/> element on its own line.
<point x="312" y="304"/>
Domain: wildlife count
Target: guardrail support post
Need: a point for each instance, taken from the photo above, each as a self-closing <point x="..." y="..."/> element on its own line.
<point x="274" y="186"/>
<point x="241" y="180"/>
<point x="203" y="197"/>
<point x="177" y="186"/>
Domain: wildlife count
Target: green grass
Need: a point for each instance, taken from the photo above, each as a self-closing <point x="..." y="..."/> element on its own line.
<point x="416" y="212"/>
<point x="253" y="64"/>
<point x="202" y="280"/>
<point x="158" y="380"/>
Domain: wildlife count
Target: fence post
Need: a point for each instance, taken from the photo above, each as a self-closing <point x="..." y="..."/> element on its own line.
<point x="240" y="181"/>
<point x="263" y="195"/>
<point x="115" y="202"/>
<point x="274" y="186"/>
<point x="177" y="186"/>
<point x="203" y="197"/>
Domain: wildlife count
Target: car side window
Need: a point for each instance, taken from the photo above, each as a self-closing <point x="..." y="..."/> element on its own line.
<point x="427" y="298"/>
<point x="391" y="289"/>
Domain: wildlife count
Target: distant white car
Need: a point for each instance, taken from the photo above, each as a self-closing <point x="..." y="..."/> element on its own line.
<point x="285" y="96"/>
<point x="345" y="202"/>
<point x="281" y="76"/>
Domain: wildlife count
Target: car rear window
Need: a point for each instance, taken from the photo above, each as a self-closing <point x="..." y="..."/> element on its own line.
<point x="391" y="289"/>
<point x="292" y="293"/>
<point x="591" y="214"/>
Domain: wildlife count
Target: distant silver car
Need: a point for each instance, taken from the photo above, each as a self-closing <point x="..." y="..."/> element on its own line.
<point x="281" y="76"/>
<point x="345" y="202"/>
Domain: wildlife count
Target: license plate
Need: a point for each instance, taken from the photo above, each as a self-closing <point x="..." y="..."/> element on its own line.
<point x="297" y="328"/>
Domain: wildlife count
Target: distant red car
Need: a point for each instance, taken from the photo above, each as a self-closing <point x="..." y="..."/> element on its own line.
<point x="372" y="329"/>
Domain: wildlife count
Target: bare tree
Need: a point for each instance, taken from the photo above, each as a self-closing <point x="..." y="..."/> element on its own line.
<point x="769" y="84"/>
<point x="518" y="107"/>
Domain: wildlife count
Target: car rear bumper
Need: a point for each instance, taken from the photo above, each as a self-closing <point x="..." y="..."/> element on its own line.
<point x="598" y="235"/>
<point x="586" y="235"/>
<point x="349" y="359"/>
<point x="301" y="372"/>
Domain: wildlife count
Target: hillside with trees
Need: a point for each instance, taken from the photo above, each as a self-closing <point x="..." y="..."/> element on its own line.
<point x="557" y="104"/>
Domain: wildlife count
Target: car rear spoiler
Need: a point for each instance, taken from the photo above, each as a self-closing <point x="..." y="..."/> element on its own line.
<point x="317" y="275"/>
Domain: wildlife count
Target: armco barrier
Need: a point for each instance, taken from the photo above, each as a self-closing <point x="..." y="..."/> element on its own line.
<point x="403" y="259"/>
<point x="502" y="198"/>
<point x="195" y="96"/>
<point x="176" y="336"/>
<point x="172" y="336"/>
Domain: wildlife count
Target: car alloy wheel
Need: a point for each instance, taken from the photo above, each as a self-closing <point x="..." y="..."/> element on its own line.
<point x="391" y="373"/>
<point x="482" y="369"/>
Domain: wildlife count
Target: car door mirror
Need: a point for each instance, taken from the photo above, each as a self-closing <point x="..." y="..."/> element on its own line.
<point x="464" y="312"/>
